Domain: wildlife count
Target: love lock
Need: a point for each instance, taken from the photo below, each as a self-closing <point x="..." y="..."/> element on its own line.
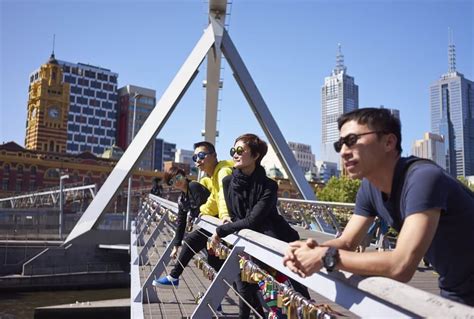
<point x="198" y="297"/>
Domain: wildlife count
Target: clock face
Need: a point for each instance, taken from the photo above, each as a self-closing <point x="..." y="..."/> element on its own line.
<point x="53" y="112"/>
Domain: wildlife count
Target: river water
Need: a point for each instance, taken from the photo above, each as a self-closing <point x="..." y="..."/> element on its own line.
<point x="21" y="305"/>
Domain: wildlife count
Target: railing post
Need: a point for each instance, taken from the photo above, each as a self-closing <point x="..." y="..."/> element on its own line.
<point x="136" y="305"/>
<point x="143" y="256"/>
<point x="155" y="273"/>
<point x="217" y="290"/>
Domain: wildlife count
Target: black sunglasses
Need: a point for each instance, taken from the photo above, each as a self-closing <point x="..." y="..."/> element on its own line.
<point x="239" y="150"/>
<point x="350" y="140"/>
<point x="200" y="155"/>
<point x="175" y="179"/>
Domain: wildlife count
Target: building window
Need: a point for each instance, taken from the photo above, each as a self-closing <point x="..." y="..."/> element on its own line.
<point x="5" y="184"/>
<point x="90" y="74"/>
<point x="6" y="169"/>
<point x="83" y="82"/>
<point x="51" y="173"/>
<point x="19" y="169"/>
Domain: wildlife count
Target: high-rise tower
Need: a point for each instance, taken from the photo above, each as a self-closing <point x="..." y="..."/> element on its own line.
<point x="48" y="107"/>
<point x="339" y="95"/>
<point x="452" y="116"/>
<point x="135" y="104"/>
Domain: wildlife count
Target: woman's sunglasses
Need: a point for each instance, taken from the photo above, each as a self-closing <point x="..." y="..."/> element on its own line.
<point x="239" y="150"/>
<point x="175" y="179"/>
<point x="200" y="155"/>
<point x="350" y="140"/>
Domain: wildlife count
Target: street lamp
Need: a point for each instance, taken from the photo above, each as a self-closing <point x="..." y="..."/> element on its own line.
<point x="61" y="204"/>
<point x="129" y="192"/>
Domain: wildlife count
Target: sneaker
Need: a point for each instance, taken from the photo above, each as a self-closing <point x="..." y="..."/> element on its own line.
<point x="166" y="282"/>
<point x="219" y="310"/>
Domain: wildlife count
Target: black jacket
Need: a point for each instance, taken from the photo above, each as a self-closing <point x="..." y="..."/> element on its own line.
<point x="251" y="201"/>
<point x="190" y="202"/>
<point x="157" y="190"/>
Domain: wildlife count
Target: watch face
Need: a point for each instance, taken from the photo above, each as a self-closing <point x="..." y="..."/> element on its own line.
<point x="330" y="261"/>
<point x="53" y="112"/>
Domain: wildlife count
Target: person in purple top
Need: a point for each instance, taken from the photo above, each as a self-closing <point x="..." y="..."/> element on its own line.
<point x="433" y="211"/>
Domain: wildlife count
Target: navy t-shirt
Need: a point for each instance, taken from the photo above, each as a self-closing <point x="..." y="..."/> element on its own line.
<point x="428" y="186"/>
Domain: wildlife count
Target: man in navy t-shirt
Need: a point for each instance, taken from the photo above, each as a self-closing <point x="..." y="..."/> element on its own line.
<point x="432" y="211"/>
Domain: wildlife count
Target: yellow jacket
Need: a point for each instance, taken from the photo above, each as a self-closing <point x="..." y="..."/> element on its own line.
<point x="215" y="205"/>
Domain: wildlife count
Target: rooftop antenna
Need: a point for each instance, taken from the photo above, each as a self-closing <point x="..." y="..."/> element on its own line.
<point x="54" y="40"/>
<point x="340" y="67"/>
<point x="451" y="52"/>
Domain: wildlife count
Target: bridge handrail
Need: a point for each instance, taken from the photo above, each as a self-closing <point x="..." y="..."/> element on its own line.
<point x="330" y="204"/>
<point x="365" y="296"/>
<point x="72" y="189"/>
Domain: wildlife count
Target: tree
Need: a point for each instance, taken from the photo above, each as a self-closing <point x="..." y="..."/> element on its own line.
<point x="342" y="189"/>
<point x="466" y="182"/>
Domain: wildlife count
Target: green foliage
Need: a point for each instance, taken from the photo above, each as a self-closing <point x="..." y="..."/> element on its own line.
<point x="342" y="189"/>
<point x="463" y="180"/>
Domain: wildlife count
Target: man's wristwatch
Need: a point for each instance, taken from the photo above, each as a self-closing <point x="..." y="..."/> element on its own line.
<point x="331" y="259"/>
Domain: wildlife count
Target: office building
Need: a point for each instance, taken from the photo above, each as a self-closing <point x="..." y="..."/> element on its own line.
<point x="303" y="155"/>
<point x="163" y="152"/>
<point x="92" y="119"/>
<point x="326" y="170"/>
<point x="430" y="147"/>
<point x="134" y="106"/>
<point x="184" y="156"/>
<point x="339" y="95"/>
<point x="452" y="116"/>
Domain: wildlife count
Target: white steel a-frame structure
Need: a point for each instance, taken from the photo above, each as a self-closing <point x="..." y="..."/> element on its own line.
<point x="213" y="43"/>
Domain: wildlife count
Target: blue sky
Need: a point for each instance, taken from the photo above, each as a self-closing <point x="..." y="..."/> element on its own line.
<point x="394" y="49"/>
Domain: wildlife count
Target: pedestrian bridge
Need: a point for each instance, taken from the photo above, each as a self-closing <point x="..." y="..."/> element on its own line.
<point x="202" y="289"/>
<point x="335" y="294"/>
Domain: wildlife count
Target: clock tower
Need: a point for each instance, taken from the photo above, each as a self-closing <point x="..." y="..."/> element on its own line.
<point x="48" y="108"/>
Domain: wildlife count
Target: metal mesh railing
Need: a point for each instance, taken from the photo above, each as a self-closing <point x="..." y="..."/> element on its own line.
<point x="363" y="297"/>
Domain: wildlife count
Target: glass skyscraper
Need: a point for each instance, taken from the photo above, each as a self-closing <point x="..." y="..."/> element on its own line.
<point x="339" y="95"/>
<point x="452" y="116"/>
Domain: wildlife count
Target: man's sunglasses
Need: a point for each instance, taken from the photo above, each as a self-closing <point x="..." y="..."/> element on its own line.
<point x="239" y="150"/>
<point x="175" y="179"/>
<point x="350" y="140"/>
<point x="200" y="155"/>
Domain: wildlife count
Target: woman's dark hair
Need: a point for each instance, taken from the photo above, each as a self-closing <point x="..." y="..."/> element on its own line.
<point x="380" y="120"/>
<point x="256" y="145"/>
<point x="172" y="172"/>
<point x="208" y="145"/>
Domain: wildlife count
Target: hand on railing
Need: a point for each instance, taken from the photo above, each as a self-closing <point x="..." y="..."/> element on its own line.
<point x="174" y="252"/>
<point x="215" y="240"/>
<point x="302" y="257"/>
